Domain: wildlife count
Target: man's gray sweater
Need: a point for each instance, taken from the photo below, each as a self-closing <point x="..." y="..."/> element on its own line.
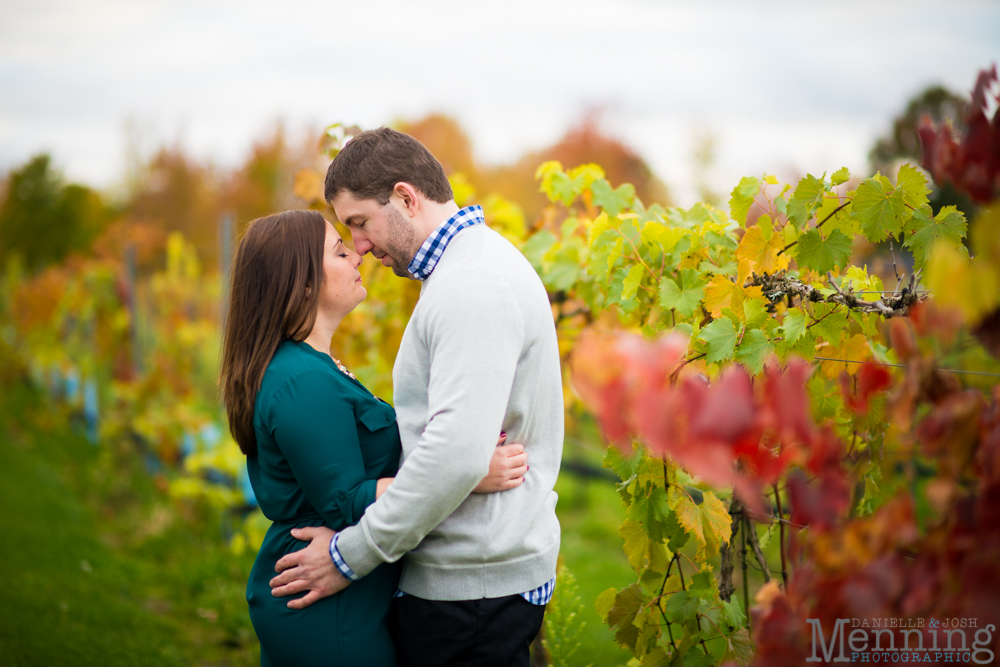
<point x="479" y="355"/>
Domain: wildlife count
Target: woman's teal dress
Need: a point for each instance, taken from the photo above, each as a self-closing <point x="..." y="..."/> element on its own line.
<point x="322" y="443"/>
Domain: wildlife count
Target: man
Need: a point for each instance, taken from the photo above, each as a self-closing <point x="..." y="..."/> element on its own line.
<point x="479" y="356"/>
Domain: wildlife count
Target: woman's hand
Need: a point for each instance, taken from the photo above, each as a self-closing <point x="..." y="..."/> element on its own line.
<point x="507" y="468"/>
<point x="381" y="485"/>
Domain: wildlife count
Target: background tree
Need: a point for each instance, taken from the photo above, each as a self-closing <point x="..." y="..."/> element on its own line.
<point x="43" y="219"/>
<point x="901" y="144"/>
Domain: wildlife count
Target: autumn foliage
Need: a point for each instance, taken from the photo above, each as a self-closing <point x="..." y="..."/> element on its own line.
<point x="879" y="468"/>
<point x="770" y="403"/>
<point x="973" y="164"/>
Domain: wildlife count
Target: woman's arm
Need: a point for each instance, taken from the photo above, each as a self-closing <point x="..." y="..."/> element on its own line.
<point x="314" y="426"/>
<point x="507" y="468"/>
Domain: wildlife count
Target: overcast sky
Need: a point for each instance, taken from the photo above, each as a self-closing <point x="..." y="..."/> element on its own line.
<point x="785" y="87"/>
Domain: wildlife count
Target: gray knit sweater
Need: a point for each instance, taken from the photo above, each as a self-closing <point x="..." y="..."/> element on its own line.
<point x="478" y="356"/>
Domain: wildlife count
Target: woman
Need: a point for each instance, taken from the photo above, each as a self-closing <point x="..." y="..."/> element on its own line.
<point x="320" y="448"/>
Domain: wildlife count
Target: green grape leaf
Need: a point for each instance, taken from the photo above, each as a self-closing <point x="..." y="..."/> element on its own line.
<point x="720" y="336"/>
<point x="656" y="658"/>
<point x="537" y="246"/>
<point x="702" y="581"/>
<point x="674" y="532"/>
<point x="841" y="219"/>
<point x="822" y="254"/>
<point x="803" y="347"/>
<point x="625" y="466"/>
<point x="562" y="188"/>
<point x="829" y="324"/>
<point x="753" y="351"/>
<point x="922" y="231"/>
<point x="720" y="240"/>
<point x="682" y="606"/>
<point x="879" y="208"/>
<point x="742" y="198"/>
<point x="616" y="280"/>
<point x="612" y="200"/>
<point x="666" y="237"/>
<point x="840" y="176"/>
<point x="739" y="649"/>
<point x="627" y="603"/>
<point x="754" y="314"/>
<point x="631" y="233"/>
<point x="780" y="205"/>
<point x="794" y="324"/>
<point x="733" y="613"/>
<point x="726" y="269"/>
<point x="808" y="194"/>
<point x="597" y="228"/>
<point x="605" y="251"/>
<point x="631" y="282"/>
<point x="913" y="186"/>
<point x="685" y="301"/>
<point x="562" y="265"/>
<point x="650" y="510"/>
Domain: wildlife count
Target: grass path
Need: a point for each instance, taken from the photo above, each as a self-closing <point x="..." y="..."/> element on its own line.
<point x="99" y="568"/>
<point x="69" y="598"/>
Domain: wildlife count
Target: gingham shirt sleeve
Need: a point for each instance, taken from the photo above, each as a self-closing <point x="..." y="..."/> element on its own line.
<point x="339" y="563"/>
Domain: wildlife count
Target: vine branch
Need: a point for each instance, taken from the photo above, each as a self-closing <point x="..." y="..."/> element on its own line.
<point x="895" y="304"/>
<point x="781" y="537"/>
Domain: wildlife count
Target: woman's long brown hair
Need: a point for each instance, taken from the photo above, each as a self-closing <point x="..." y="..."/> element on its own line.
<point x="274" y="293"/>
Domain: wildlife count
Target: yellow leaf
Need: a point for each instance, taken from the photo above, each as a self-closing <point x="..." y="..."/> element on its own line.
<point x="666" y="236"/>
<point x="605" y="601"/>
<point x="709" y="522"/>
<point x="308" y="186"/>
<point x="597" y="227"/>
<point x="636" y="543"/>
<point x="461" y="188"/>
<point x="855" y="349"/>
<point x="721" y="293"/>
<point x="761" y="253"/>
<point x="743" y="270"/>
<point x="970" y="286"/>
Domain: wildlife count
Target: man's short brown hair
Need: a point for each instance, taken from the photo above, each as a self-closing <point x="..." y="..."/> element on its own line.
<point x="372" y="163"/>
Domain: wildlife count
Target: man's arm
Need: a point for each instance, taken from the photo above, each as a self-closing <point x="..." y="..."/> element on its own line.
<point x="322" y="572"/>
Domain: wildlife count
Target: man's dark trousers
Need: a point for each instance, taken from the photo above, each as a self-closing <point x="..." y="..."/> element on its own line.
<point x="492" y="632"/>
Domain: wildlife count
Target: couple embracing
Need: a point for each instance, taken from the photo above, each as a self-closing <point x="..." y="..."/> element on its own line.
<point x="430" y="542"/>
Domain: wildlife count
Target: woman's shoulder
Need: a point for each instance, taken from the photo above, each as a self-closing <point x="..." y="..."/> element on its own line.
<point x="299" y="362"/>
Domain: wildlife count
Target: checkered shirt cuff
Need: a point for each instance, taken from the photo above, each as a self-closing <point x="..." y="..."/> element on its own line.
<point x="339" y="562"/>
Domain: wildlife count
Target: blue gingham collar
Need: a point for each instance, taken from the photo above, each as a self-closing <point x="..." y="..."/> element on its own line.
<point x="430" y="252"/>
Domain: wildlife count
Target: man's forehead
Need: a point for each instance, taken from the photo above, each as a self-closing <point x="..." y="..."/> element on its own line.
<point x="346" y="205"/>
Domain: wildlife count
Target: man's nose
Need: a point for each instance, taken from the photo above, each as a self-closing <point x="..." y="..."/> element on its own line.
<point x="361" y="244"/>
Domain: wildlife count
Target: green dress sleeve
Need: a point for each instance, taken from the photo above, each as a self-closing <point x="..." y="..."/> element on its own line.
<point x="313" y="423"/>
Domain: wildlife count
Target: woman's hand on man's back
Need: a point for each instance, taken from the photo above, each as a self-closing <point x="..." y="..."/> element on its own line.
<point x="507" y="468"/>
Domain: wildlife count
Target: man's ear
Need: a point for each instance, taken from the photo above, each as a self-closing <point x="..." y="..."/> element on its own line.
<point x="407" y="196"/>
